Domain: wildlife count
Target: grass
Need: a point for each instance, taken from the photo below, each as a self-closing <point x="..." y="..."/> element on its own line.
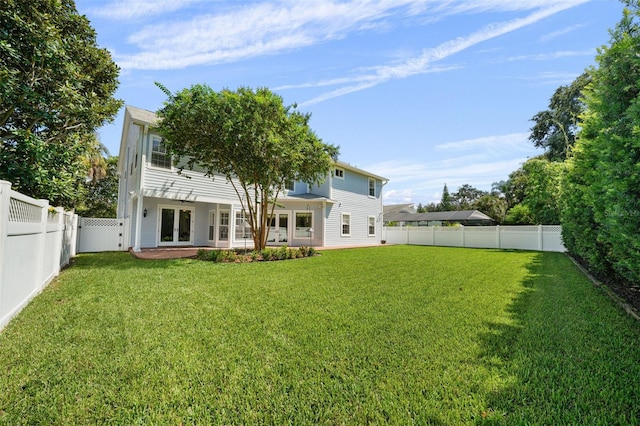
<point x="394" y="334"/>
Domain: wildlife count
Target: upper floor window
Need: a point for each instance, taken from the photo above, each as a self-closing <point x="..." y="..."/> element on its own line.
<point x="159" y="156"/>
<point x="290" y="185"/>
<point x="372" y="187"/>
<point x="134" y="164"/>
<point x="339" y="173"/>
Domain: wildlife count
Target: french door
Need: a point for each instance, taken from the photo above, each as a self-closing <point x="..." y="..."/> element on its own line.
<point x="278" y="229"/>
<point x="175" y="226"/>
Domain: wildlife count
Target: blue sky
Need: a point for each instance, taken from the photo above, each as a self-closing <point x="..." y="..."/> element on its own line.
<point x="421" y="92"/>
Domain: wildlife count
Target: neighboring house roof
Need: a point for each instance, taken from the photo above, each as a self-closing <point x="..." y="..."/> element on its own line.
<point x="468" y="216"/>
<point x="399" y="208"/>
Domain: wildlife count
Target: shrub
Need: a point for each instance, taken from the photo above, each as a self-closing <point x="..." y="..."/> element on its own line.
<point x="266" y="254"/>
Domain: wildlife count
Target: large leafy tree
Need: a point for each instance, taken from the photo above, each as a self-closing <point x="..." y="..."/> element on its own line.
<point x="601" y="214"/>
<point x="493" y="205"/>
<point x="248" y="135"/>
<point x="56" y="88"/>
<point x="555" y="129"/>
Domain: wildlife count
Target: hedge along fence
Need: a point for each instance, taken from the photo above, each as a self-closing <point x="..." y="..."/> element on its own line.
<point x="36" y="241"/>
<point x="539" y="238"/>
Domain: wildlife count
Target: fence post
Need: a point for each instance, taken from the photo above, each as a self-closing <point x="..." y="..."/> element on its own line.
<point x="74" y="236"/>
<point x="5" y="189"/>
<point x="42" y="242"/>
<point x="462" y="232"/>
<point x="59" y="240"/>
<point x="540" y="242"/>
<point x="498" y="236"/>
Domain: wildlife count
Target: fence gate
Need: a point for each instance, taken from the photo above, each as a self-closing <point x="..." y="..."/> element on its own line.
<point x="96" y="234"/>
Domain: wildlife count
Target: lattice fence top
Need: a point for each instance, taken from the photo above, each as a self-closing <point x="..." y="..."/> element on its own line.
<point x="100" y="222"/>
<point x="519" y="228"/>
<point x="479" y="229"/>
<point x="53" y="217"/>
<point x="447" y="228"/>
<point x="551" y="228"/>
<point x="23" y="212"/>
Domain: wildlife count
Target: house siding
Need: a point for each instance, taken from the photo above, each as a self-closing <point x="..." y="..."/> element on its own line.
<point x="129" y="180"/>
<point x="324" y="189"/>
<point x="163" y="183"/>
<point x="351" y="196"/>
<point x="191" y="185"/>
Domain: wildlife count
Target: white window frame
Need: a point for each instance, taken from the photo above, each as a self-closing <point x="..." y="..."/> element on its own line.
<point x="290" y="185"/>
<point x="306" y="235"/>
<point x="371" y="180"/>
<point x="338" y="173"/>
<point x="239" y="233"/>
<point x="371" y="222"/>
<point x="212" y="226"/>
<point x="221" y="215"/>
<point x="344" y="216"/>
<point x="155" y="138"/>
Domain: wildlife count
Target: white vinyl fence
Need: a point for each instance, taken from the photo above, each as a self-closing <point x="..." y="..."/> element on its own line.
<point x="540" y="238"/>
<point x="36" y="241"/>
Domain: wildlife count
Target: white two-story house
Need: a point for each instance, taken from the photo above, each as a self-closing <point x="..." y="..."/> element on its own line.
<point x="168" y="209"/>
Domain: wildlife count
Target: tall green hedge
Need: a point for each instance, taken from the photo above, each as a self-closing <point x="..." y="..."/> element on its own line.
<point x="601" y="202"/>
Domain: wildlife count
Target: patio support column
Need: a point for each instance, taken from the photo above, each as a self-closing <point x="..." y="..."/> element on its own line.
<point x="323" y="211"/>
<point x="140" y="205"/>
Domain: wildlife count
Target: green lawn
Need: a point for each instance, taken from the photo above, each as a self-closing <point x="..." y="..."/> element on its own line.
<point x="395" y="334"/>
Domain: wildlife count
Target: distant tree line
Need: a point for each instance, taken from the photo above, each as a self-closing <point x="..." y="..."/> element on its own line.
<point x="492" y="203"/>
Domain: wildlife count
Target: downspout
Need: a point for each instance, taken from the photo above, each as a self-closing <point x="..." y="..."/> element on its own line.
<point x="382" y="233"/>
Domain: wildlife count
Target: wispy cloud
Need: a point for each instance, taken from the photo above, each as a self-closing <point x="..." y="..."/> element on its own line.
<point x="551" y="78"/>
<point x="135" y="9"/>
<point x="479" y="162"/>
<point x="552" y="55"/>
<point x="428" y="179"/>
<point x="255" y="29"/>
<point x="555" y="34"/>
<point x="362" y="78"/>
<point x="423" y="63"/>
<point x="504" y="142"/>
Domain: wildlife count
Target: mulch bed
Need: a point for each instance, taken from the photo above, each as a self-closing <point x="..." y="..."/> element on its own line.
<point x="626" y="294"/>
<point x="166" y="253"/>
